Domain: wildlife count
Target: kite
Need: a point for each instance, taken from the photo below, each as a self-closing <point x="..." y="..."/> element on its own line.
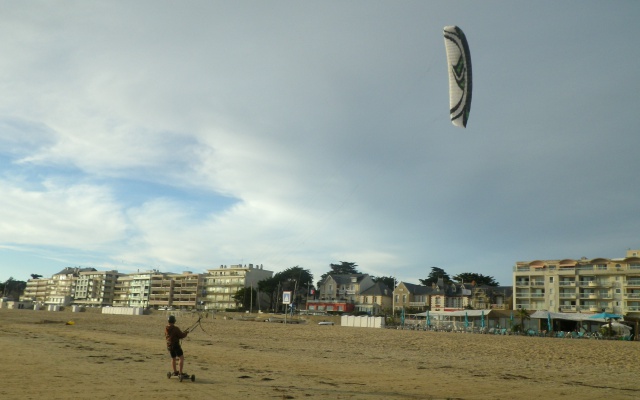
<point x="459" y="62"/>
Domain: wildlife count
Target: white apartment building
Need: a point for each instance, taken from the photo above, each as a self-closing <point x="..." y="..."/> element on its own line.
<point x="221" y="284"/>
<point x="95" y="288"/>
<point x="584" y="285"/>
<point x="133" y="290"/>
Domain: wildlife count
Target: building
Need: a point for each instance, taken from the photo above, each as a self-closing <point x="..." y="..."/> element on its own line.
<point x="375" y="300"/>
<point x="491" y="297"/>
<point x="160" y="290"/>
<point x="133" y="290"/>
<point x="409" y="296"/>
<point x="185" y="290"/>
<point x="58" y="290"/>
<point x="36" y="290"/>
<point x="95" y="288"/>
<point x="582" y="285"/>
<point x="220" y="285"/>
<point x="340" y="292"/>
<point x="449" y="296"/>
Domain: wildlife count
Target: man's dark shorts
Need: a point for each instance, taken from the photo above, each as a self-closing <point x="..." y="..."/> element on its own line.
<point x="175" y="351"/>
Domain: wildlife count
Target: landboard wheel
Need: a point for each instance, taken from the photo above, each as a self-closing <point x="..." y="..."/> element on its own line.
<point x="193" y="378"/>
<point x="168" y="375"/>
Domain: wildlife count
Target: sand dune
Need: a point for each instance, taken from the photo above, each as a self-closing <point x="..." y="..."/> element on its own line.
<point x="116" y="356"/>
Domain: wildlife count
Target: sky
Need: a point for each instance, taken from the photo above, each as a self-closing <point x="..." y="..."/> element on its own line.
<point x="182" y="136"/>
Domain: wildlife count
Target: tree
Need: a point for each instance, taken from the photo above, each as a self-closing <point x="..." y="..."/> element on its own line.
<point x="390" y="281"/>
<point x="244" y="296"/>
<point x="294" y="279"/>
<point x="344" y="268"/>
<point x="435" y="274"/>
<point x="12" y="288"/>
<point x="36" y="276"/>
<point x="479" y="279"/>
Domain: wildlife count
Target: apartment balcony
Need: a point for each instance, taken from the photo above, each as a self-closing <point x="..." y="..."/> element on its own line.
<point x="566" y="271"/>
<point x="185" y="290"/>
<point x="567" y="295"/>
<point x="633" y="282"/>
<point x="567" y="283"/>
<point x="564" y="308"/>
<point x="632" y="295"/>
<point x="159" y="298"/>
<point x="417" y="304"/>
<point x="184" y="298"/>
<point x="522" y="283"/>
<point x="537" y="283"/>
<point x="187" y="286"/>
<point x="240" y="284"/>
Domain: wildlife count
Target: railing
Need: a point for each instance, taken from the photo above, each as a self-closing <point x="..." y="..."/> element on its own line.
<point x="566" y="283"/>
<point x="537" y="283"/>
<point x="567" y="295"/>
<point x="567" y="308"/>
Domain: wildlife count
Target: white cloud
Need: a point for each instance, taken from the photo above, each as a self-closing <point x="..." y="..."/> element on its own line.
<point x="82" y="216"/>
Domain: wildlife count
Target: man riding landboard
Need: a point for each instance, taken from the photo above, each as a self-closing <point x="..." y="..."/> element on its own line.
<point x="173" y="334"/>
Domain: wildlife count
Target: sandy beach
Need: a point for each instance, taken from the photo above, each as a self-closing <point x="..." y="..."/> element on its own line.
<point x="117" y="356"/>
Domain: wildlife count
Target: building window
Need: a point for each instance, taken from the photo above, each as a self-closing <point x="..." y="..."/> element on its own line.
<point x="551" y="279"/>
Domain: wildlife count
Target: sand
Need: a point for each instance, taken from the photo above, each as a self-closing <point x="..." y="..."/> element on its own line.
<point x="124" y="357"/>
